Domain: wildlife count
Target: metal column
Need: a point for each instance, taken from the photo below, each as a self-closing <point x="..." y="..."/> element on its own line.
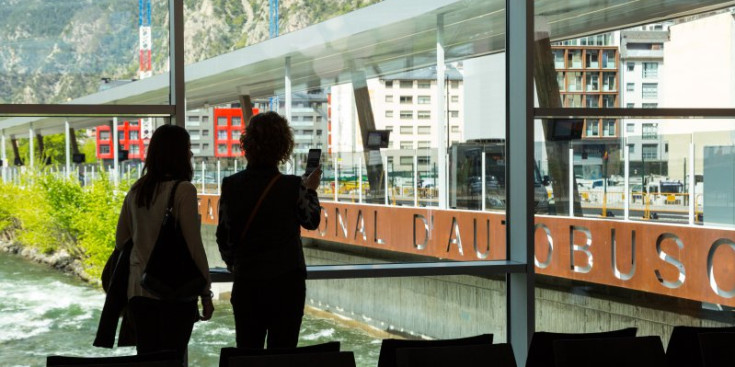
<point x="287" y="86"/>
<point x="115" y="151"/>
<point x="519" y="154"/>
<point x="176" y="57"/>
<point x="4" y="157"/>
<point x="30" y="146"/>
<point x="67" y="148"/>
<point x="441" y="118"/>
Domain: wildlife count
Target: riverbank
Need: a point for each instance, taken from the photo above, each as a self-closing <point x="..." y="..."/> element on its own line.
<point x="60" y="260"/>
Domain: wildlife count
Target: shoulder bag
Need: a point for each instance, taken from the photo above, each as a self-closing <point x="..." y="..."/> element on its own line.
<point x="171" y="273"/>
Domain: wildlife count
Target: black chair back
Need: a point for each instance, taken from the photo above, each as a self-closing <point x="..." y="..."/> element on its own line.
<point x="387" y="357"/>
<point x="481" y="355"/>
<point x="227" y="353"/>
<point x="325" y="359"/>
<point x="541" y="351"/>
<point x="645" y="351"/>
<point x="717" y="349"/>
<point x="158" y="359"/>
<point x="683" y="349"/>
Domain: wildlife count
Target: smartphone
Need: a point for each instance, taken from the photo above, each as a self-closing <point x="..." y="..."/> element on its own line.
<point x="312" y="160"/>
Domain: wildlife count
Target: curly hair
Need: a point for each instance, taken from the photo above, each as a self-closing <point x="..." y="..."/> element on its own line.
<point x="268" y="140"/>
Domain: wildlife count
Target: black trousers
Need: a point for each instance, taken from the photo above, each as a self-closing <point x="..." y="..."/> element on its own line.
<point x="161" y="325"/>
<point x="270" y="308"/>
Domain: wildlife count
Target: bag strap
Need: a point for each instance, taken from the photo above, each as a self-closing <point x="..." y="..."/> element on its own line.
<point x="257" y="205"/>
<point x="170" y="205"/>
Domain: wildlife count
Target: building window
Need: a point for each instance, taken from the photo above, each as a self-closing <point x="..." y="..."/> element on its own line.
<point x="205" y="132"/>
<point x="406" y="145"/>
<point x="455" y="99"/>
<point x="630" y="105"/>
<point x="630" y="87"/>
<point x="424" y="99"/>
<point x="558" y="59"/>
<point x="389" y="99"/>
<point x="406" y="161"/>
<point x="407" y="130"/>
<point x="631" y="149"/>
<point x="423" y="160"/>
<point x="593" y="128"/>
<point x="424" y="130"/>
<point x="423" y="144"/>
<point x="573" y="100"/>
<point x="192" y="121"/>
<point x="454" y="114"/>
<point x="648" y="151"/>
<point x="406" y="84"/>
<point x="455" y="129"/>
<point x="389" y="127"/>
<point x="608" y="59"/>
<point x="389" y="84"/>
<point x="631" y="66"/>
<point x="236" y="121"/>
<point x="629" y="128"/>
<point x="650" y="70"/>
<point x="666" y="147"/>
<point x="295" y="118"/>
<point x="574" y="82"/>
<point x="424" y="84"/>
<point x="649" y="90"/>
<point x="592" y="59"/>
<point x="574" y="58"/>
<point x="650" y="131"/>
<point x="205" y="119"/>
<point x="424" y="115"/>
<point x="235" y="149"/>
<point x="609" y="82"/>
<point x="193" y="135"/>
<point x="406" y="115"/>
<point x="608" y="100"/>
<point x="205" y="146"/>
<point x="104" y="149"/>
<point x="236" y="134"/>
<point x="592" y="101"/>
<point x="454" y="84"/>
<point x="222" y="121"/>
<point x="389" y="113"/>
<point x="133" y="135"/>
<point x="608" y="128"/>
<point x="222" y="135"/>
<point x="222" y="149"/>
<point x="134" y="149"/>
<point x="592" y="82"/>
<point x="650" y="105"/>
<point x="406" y="99"/>
<point x="560" y="76"/>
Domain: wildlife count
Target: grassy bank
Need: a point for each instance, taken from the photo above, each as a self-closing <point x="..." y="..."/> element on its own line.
<point x="52" y="215"/>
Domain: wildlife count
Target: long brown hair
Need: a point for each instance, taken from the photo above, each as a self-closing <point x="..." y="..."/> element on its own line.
<point x="168" y="158"/>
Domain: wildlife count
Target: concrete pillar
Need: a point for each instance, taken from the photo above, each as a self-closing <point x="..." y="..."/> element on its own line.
<point x="441" y="118"/>
<point x="247" y="109"/>
<point x="30" y="146"/>
<point x="374" y="161"/>
<point x="520" y="170"/>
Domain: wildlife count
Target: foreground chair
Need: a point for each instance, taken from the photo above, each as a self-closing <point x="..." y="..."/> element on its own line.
<point x="541" y="351"/>
<point x="717" y="349"/>
<point x="645" y="351"/>
<point x="159" y="359"/>
<point x="387" y="357"/>
<point x="228" y="353"/>
<point x="683" y="349"/>
<point x="324" y="359"/>
<point x="481" y="355"/>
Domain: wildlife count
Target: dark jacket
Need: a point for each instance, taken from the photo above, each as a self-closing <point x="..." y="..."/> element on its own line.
<point x="115" y="283"/>
<point x="272" y="245"/>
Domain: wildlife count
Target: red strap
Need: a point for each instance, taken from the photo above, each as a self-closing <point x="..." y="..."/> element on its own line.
<point x="257" y="205"/>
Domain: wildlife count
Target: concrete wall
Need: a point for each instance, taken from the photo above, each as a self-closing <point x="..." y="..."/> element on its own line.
<point x="456" y="306"/>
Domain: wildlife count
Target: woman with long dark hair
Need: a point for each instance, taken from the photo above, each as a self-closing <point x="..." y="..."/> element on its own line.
<point x="261" y="244"/>
<point x="162" y="324"/>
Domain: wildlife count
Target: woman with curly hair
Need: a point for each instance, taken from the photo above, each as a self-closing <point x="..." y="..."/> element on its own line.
<point x="261" y="213"/>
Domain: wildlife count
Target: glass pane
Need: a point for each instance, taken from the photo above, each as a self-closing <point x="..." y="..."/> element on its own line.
<point x="57" y="52"/>
<point x="656" y="62"/>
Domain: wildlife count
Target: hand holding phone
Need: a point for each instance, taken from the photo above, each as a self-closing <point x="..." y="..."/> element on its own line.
<point x="312" y="161"/>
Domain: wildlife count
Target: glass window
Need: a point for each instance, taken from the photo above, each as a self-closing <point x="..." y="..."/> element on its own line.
<point x="424" y="115"/>
<point x="592" y="81"/>
<point x="631" y="66"/>
<point x="558" y="58"/>
<point x="649" y="90"/>
<point x="631" y="149"/>
<point x="104" y="135"/>
<point x="630" y="105"/>
<point x="205" y="132"/>
<point x="424" y="144"/>
<point x="608" y="59"/>
<point x="630" y="87"/>
<point x="389" y="99"/>
<point x="192" y="121"/>
<point x="222" y="149"/>
<point x="235" y="148"/>
<point x="629" y="128"/>
<point x="205" y="119"/>
<point x="455" y="129"/>
<point x="427" y="99"/>
<point x="406" y="84"/>
<point x="574" y="82"/>
<point x="609" y="81"/>
<point x="221" y="134"/>
<point x="455" y="99"/>
<point x="593" y="128"/>
<point x="205" y="146"/>
<point x="608" y="100"/>
<point x="574" y="59"/>
<point x="222" y="121"/>
<point x="389" y="84"/>
<point x="454" y="114"/>
<point x="193" y="135"/>
<point x="424" y="84"/>
<point x="236" y="121"/>
<point x="608" y="128"/>
<point x="389" y="127"/>
<point x="236" y="134"/>
<point x="649" y="151"/>
<point x="650" y="70"/>
<point x="649" y="131"/>
<point x="406" y="161"/>
<point x="133" y="135"/>
<point x="389" y="113"/>
<point x="592" y="101"/>
<point x="406" y="145"/>
<point x="120" y="135"/>
<point x="592" y="59"/>
<point x="134" y="149"/>
<point x="454" y="84"/>
<point x="560" y="76"/>
<point x="650" y="105"/>
<point x="407" y="130"/>
<point x="406" y="115"/>
<point x="406" y="99"/>
<point x="104" y="149"/>
<point x="424" y="130"/>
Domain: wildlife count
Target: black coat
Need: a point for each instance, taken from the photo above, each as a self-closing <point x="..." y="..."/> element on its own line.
<point x="115" y="282"/>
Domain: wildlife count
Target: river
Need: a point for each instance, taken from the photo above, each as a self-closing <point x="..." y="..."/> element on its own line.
<point x="45" y="312"/>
